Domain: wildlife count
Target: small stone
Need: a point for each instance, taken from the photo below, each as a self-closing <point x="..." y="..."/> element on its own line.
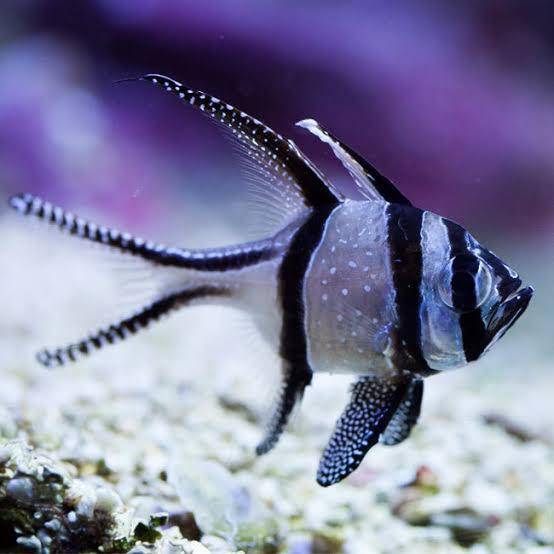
<point x="140" y="549"/>
<point x="51" y="475"/>
<point x="197" y="548"/>
<point x="107" y="500"/>
<point x="5" y="455"/>
<point x="325" y="543"/>
<point x="30" y="544"/>
<point x="53" y="525"/>
<point x="186" y="523"/>
<point x="146" y="533"/>
<point x="45" y="538"/>
<point x="158" y="519"/>
<point x="466" y="525"/>
<point x="21" y="490"/>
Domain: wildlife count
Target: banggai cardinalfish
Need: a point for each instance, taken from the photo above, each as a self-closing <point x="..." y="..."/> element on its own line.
<point x="376" y="287"/>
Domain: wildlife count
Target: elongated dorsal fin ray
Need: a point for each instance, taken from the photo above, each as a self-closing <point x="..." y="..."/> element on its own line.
<point x="279" y="173"/>
<point x="372" y="405"/>
<point x="124" y="328"/>
<point x="372" y="184"/>
<point x="402" y="422"/>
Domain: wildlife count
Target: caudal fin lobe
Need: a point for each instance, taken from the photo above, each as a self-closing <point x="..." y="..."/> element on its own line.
<point x="200" y="261"/>
<point x="127" y="327"/>
<point x="210" y="259"/>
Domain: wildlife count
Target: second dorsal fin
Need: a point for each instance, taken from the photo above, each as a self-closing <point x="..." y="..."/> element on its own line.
<point x="371" y="183"/>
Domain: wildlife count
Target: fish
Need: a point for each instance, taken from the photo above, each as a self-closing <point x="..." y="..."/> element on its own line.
<point x="373" y="287"/>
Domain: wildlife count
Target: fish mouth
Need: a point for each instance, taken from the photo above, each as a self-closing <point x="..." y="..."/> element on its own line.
<point x="514" y="303"/>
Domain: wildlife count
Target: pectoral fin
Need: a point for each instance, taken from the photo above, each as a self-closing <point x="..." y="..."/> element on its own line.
<point x="372" y="405"/>
<point x="406" y="416"/>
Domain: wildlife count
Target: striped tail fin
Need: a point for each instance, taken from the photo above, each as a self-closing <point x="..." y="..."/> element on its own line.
<point x="210" y="259"/>
<point x="126" y="327"/>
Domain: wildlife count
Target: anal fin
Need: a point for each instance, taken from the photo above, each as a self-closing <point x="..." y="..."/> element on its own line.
<point x="292" y="390"/>
<point x="406" y="416"/>
<point x="372" y="405"/>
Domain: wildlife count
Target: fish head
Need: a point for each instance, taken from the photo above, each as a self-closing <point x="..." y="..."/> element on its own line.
<point x="483" y="294"/>
<point x="507" y="299"/>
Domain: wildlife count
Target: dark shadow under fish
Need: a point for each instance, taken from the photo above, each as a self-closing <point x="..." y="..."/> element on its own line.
<point x="376" y="287"/>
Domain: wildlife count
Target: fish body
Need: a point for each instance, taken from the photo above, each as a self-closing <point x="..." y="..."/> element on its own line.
<point x="376" y="288"/>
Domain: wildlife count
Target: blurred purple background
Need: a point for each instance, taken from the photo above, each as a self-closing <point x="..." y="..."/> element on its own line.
<point x="453" y="101"/>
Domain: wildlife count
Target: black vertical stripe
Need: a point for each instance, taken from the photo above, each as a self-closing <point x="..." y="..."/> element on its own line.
<point x="406" y="258"/>
<point x="297" y="373"/>
<point x="462" y="282"/>
<point x="293" y="341"/>
<point x="474" y="332"/>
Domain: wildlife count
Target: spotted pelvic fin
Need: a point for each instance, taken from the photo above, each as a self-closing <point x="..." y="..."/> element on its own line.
<point x="372" y="405"/>
<point x="402" y="422"/>
<point x="283" y="181"/>
<point x="371" y="183"/>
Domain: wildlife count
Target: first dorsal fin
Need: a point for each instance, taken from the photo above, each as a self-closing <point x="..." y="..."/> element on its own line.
<point x="372" y="184"/>
<point x="286" y="179"/>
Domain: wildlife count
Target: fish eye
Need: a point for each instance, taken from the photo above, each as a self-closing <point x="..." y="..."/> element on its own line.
<point x="465" y="283"/>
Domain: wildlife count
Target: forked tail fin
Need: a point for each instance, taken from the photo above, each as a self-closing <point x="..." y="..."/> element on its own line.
<point x="210" y="259"/>
<point x="128" y="326"/>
